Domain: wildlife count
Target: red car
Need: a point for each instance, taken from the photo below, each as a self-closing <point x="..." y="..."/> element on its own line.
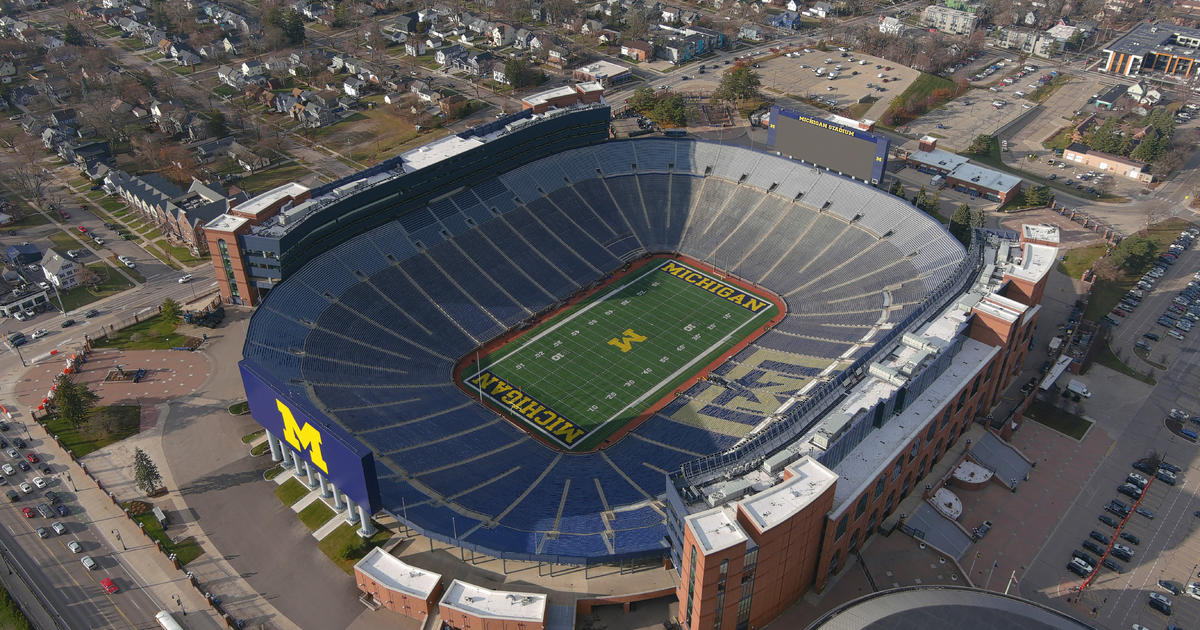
<point x="65" y="214"/>
<point x="28" y="512"/>
<point x="1118" y="312"/>
<point x="82" y="230"/>
<point x="109" y="585"/>
<point x="32" y="457"/>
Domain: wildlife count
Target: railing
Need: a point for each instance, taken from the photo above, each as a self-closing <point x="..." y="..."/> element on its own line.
<point x="800" y="417"/>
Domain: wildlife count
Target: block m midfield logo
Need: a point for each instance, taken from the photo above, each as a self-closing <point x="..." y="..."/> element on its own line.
<point x="303" y="438"/>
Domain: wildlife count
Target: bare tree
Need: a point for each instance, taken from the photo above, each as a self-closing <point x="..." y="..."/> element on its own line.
<point x="28" y="174"/>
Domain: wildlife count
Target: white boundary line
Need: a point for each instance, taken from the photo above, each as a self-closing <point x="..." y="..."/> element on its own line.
<point x="611" y="294"/>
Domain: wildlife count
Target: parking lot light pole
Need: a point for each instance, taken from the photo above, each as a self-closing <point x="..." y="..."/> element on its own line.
<point x="119" y="539"/>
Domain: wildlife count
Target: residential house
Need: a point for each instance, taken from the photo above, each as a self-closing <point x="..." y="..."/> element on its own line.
<point x="1144" y="94"/>
<point x="591" y="27"/>
<point x="23" y="96"/>
<point x="502" y="35"/>
<point x="231" y="77"/>
<point x="414" y="47"/>
<point x="393" y="98"/>
<point x="284" y="102"/>
<point x="637" y="50"/>
<point x="444" y="56"/>
<point x="51" y="137"/>
<point x="821" y="10"/>
<point x="522" y="36"/>
<point x="246" y="158"/>
<point x="7" y="68"/>
<point x="1029" y="42"/>
<point x="84" y="155"/>
<point x="498" y="74"/>
<point x="795" y="5"/>
<point x="61" y="271"/>
<point x="63" y="118"/>
<point x="752" y="32"/>
<point x="252" y="68"/>
<point x="210" y="150"/>
<point x="355" y="87"/>
<point x="891" y="26"/>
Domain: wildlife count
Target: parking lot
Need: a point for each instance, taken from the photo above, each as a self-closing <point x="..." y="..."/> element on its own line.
<point x="963" y="118"/>
<point x="796" y="76"/>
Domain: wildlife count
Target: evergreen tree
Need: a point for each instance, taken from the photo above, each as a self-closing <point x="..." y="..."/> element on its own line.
<point x="74" y="401"/>
<point x="897" y="189"/>
<point x="145" y="472"/>
<point x="170" y="310"/>
<point x="739" y="83"/>
<point x="960" y="224"/>
<point x="73" y="36"/>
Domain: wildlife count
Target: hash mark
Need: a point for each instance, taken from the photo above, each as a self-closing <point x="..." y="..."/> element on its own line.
<point x="556" y="356"/>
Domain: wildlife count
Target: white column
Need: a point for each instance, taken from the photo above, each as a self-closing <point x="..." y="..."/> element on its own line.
<point x="368" y="528"/>
<point x="298" y="464"/>
<point x="275" y="449"/>
<point x="286" y="456"/>
<point x="324" y="485"/>
<point x="351" y="513"/>
<point x="312" y="478"/>
<point x="337" y="497"/>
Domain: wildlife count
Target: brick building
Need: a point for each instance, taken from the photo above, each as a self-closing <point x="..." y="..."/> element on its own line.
<point x="466" y="606"/>
<point x="565" y="96"/>
<point x="386" y="582"/>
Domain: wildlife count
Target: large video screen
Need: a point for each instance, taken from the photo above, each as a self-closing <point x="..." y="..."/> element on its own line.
<point x="849" y="151"/>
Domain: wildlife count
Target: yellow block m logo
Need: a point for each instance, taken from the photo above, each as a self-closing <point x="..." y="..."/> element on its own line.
<point x="625" y="343"/>
<point x="302" y="437"/>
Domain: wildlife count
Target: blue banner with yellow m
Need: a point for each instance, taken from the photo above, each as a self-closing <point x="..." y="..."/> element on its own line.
<point x="314" y="438"/>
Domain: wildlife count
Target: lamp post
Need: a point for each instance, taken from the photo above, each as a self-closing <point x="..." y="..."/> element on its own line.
<point x="120" y="540"/>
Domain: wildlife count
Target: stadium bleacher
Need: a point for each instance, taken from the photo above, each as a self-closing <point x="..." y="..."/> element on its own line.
<point x="375" y="326"/>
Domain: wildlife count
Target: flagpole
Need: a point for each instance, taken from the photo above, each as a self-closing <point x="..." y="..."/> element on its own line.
<point x="1011" y="578"/>
<point x="995" y="563"/>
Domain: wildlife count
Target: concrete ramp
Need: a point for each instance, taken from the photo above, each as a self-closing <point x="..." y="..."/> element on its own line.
<point x="928" y="525"/>
<point x="1001" y="458"/>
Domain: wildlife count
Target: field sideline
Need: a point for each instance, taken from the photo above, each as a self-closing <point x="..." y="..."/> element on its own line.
<point x="588" y="372"/>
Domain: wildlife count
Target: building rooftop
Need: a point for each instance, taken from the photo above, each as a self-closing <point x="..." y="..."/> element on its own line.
<point x="602" y="69"/>
<point x="938" y="158"/>
<point x="389" y="571"/>
<point x="1047" y="233"/>
<point x="256" y="205"/>
<point x="716" y="529"/>
<point x="1113" y="93"/>
<point x="771" y="507"/>
<point x="439" y="150"/>
<point x="482" y="602"/>
<point x="1154" y="38"/>
<point x="985" y="177"/>
<point x="1036" y="261"/>
<point x="226" y="223"/>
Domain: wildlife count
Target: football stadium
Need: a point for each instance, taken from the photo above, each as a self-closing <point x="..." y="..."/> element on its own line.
<point x="612" y="349"/>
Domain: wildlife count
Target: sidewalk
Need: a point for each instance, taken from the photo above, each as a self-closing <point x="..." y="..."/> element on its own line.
<point x="161" y="581"/>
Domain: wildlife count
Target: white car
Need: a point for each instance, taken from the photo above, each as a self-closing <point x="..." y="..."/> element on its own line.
<point x="74" y="546"/>
<point x="88" y="563"/>
<point x="39" y="333"/>
<point x="129" y="263"/>
<point x="8" y="469"/>
<point x="58" y="528"/>
<point x="1160" y="597"/>
<point x="124" y="258"/>
<point x="1193" y="589"/>
<point x="26" y="488"/>
<point x="184" y="278"/>
<point x="39" y="482"/>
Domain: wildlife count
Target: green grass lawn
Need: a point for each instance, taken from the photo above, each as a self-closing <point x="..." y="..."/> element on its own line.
<point x="345" y="547"/>
<point x="30" y="219"/>
<point x="994" y="160"/>
<point x="915" y="94"/>
<point x="133" y="272"/>
<point x="250" y="437"/>
<point x="111" y="205"/>
<point x="265" y="180"/>
<point x="1080" y="259"/>
<point x="111" y="283"/>
<point x="83" y="440"/>
<point x="242" y="408"/>
<point x="11" y="617"/>
<point x="185" y="549"/>
<point x="1110" y="360"/>
<point x="1060" y="140"/>
<point x="315" y="515"/>
<point x="597" y="366"/>
<point x="64" y="241"/>
<point x="1060" y="420"/>
<point x="181" y="254"/>
<point x="153" y="333"/>
<point x="291" y="491"/>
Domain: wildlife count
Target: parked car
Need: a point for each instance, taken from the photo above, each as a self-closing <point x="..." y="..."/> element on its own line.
<point x="1098" y="537"/>
<point x="88" y="563"/>
<point x="1093" y="547"/>
<point x="1108" y="520"/>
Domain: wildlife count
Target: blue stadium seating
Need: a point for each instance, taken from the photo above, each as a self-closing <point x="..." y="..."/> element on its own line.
<point x="375" y="327"/>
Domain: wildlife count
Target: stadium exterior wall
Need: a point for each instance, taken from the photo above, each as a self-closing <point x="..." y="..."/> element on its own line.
<point x="313" y="437"/>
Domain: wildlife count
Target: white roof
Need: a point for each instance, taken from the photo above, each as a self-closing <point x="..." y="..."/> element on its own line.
<point x="985" y="177"/>
<point x="603" y="69"/>
<point x="944" y="160"/>
<point x="1045" y="232"/>
<point x="486" y="603"/>
<point x="226" y="223"/>
<point x="438" y="150"/>
<point x="715" y="529"/>
<point x="771" y="507"/>
<point x="1036" y="262"/>
<point x="395" y="575"/>
<point x="549" y="95"/>
<point x="257" y="204"/>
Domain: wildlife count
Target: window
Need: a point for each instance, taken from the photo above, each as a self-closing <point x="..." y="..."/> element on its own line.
<point x="912" y="454"/>
<point x="899" y="468"/>
<point x="861" y="507"/>
<point x="929" y="433"/>
<point x="879" y="487"/>
<point x="841" y="527"/>
<point x="961" y="399"/>
<point x="724" y="567"/>
<point x="975" y="386"/>
<point x="946" y="417"/>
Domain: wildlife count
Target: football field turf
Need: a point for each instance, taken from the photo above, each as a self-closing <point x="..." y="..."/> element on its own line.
<point x="582" y="375"/>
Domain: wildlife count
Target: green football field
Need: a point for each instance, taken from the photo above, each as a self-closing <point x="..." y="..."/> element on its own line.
<point x="580" y="376"/>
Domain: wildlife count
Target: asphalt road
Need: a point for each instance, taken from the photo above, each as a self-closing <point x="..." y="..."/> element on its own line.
<point x="56" y="573"/>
